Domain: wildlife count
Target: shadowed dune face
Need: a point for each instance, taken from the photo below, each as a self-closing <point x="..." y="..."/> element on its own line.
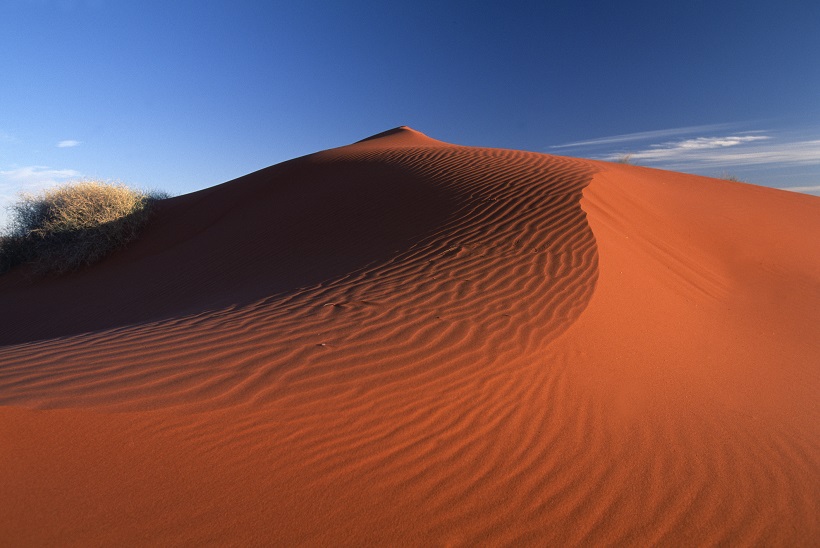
<point x="291" y="226"/>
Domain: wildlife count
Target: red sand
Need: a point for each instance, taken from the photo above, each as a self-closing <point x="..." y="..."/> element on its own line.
<point x="403" y="341"/>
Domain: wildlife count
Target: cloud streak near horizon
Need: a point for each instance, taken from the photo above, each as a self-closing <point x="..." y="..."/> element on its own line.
<point x="727" y="150"/>
<point x="68" y="143"/>
<point x="707" y="149"/>
<point x="29" y="179"/>
<point x="704" y="147"/>
<point x="815" y="189"/>
<point x="644" y="136"/>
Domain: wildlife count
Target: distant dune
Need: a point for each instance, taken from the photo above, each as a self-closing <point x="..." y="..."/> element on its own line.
<point x="407" y="342"/>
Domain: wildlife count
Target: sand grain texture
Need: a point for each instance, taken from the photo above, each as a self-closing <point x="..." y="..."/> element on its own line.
<point x="404" y="341"/>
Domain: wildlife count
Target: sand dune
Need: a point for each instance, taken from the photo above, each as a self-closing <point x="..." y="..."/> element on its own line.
<point x="403" y="341"/>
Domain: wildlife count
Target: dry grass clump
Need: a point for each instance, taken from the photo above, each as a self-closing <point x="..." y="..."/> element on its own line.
<point x="726" y="176"/>
<point x="68" y="227"/>
<point x="626" y="159"/>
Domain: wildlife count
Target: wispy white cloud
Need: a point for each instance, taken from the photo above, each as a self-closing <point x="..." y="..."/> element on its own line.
<point x="29" y="179"/>
<point x="728" y="150"/>
<point x="646" y="135"/>
<point x="68" y="143"/>
<point x="804" y="189"/>
<point x="763" y="156"/>
<point x="35" y="175"/>
<point x="705" y="143"/>
<point x="7" y="137"/>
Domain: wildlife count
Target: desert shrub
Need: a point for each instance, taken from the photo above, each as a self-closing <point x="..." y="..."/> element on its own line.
<point x="726" y="176"/>
<point x="68" y="227"/>
<point x="626" y="159"/>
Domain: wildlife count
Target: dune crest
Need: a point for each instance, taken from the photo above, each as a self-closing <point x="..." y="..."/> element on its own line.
<point x="397" y="137"/>
<point x="407" y="341"/>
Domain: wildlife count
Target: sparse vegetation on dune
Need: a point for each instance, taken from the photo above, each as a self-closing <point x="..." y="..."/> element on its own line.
<point x="726" y="176"/>
<point x="68" y="227"/>
<point x="626" y="159"/>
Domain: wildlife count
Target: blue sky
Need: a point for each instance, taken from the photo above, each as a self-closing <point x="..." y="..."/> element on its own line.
<point x="185" y="95"/>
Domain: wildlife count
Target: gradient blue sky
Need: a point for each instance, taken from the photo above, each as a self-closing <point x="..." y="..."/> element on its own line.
<point x="184" y="95"/>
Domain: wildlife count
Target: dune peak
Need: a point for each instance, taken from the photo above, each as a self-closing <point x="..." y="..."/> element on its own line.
<point x="401" y="135"/>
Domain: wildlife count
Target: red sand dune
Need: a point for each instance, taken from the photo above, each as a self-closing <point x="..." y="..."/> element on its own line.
<point x="404" y="341"/>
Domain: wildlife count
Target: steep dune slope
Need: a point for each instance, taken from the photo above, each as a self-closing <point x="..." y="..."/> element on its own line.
<point x="408" y="341"/>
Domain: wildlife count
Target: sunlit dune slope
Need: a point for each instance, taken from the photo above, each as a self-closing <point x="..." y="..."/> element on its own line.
<point x="404" y="341"/>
